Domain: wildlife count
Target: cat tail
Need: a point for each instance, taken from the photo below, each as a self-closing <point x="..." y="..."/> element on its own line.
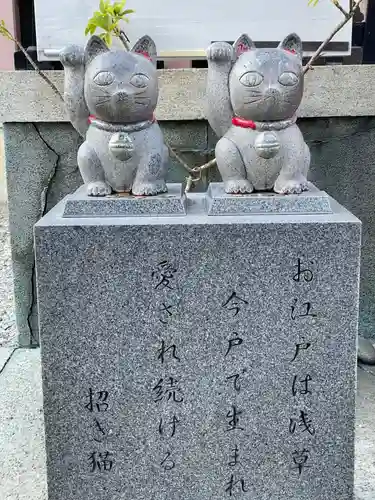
<point x="73" y="60"/>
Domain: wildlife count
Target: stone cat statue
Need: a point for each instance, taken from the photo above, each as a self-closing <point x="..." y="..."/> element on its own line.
<point x="110" y="97"/>
<point x="252" y="97"/>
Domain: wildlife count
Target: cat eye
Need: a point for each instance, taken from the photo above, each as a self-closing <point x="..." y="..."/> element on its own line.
<point x="288" y="78"/>
<point x="140" y="81"/>
<point x="104" y="78"/>
<point x="251" y="79"/>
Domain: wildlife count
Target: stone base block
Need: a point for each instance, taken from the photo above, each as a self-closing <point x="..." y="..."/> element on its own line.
<point x="219" y="202"/>
<point x="80" y="204"/>
<point x="199" y="357"/>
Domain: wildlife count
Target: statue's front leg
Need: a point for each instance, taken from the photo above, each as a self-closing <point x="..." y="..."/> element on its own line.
<point x="151" y="173"/>
<point x="232" y="168"/>
<point x="92" y="171"/>
<point x="292" y="177"/>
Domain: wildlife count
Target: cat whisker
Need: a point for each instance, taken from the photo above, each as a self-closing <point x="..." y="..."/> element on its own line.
<point x="103" y="99"/>
<point x="103" y="91"/>
<point x="253" y="100"/>
<point x="101" y="103"/>
<point x="104" y="96"/>
<point x="289" y="101"/>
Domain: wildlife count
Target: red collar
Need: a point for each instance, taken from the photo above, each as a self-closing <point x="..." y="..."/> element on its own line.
<point x="241" y="122"/>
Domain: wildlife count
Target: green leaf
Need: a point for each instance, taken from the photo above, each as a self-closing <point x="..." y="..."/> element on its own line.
<point x="102" y="6"/>
<point x="90" y="28"/>
<point x="4" y="31"/>
<point x="107" y="18"/>
<point x="113" y="27"/>
<point x="108" y="39"/>
<point x="103" y="21"/>
<point x="118" y="6"/>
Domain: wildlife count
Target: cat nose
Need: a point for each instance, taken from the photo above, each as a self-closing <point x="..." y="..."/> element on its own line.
<point x="122" y="96"/>
<point x="273" y="92"/>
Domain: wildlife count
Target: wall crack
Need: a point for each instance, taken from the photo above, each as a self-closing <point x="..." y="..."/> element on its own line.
<point x="43" y="210"/>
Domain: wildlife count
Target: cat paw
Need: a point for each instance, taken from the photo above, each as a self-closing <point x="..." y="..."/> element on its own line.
<point x="238" y="187"/>
<point x="98" y="188"/>
<point x="291" y="186"/>
<point x="220" y="52"/>
<point x="72" y="55"/>
<point x="149" y="189"/>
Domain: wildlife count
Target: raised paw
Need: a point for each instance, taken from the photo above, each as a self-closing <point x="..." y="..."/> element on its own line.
<point x="149" y="189"/>
<point x="98" y="188"/>
<point x="220" y="51"/>
<point x="238" y="187"/>
<point x="72" y="55"/>
<point x="291" y="186"/>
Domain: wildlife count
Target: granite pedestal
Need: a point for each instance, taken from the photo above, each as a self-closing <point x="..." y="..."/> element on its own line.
<point x="199" y="357"/>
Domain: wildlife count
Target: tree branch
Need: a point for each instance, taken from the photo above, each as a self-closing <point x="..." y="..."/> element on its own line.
<point x="329" y="38"/>
<point x="38" y="70"/>
<point x="7" y="34"/>
<point x="337" y="4"/>
<point x="124" y="39"/>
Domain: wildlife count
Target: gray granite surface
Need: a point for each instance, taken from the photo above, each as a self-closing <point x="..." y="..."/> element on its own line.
<point x="221" y="203"/>
<point x="23" y="471"/>
<point x="199" y="357"/>
<point x="79" y="204"/>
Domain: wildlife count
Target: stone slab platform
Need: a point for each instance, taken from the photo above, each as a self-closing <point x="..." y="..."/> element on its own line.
<point x="199" y="356"/>
<point x="124" y="205"/>
<point x="219" y="202"/>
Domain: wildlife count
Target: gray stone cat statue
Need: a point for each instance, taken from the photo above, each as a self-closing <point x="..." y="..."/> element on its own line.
<point x="110" y="97"/>
<point x="252" y="98"/>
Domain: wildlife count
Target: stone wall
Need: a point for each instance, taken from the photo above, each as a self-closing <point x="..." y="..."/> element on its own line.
<point x="41" y="170"/>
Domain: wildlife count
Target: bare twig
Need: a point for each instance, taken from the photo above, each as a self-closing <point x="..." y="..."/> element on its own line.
<point x="38" y="70"/>
<point x="190" y="181"/>
<point x="337" y="4"/>
<point x="179" y="159"/>
<point x="329" y="38"/>
<point x="124" y="39"/>
<point x="195" y="172"/>
<point x="7" y="34"/>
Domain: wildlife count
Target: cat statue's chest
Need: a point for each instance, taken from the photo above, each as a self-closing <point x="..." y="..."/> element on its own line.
<point x="261" y="152"/>
<point x="119" y="143"/>
<point x="267" y="144"/>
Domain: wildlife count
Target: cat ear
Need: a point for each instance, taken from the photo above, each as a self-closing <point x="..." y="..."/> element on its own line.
<point x="243" y="44"/>
<point x="146" y="47"/>
<point x="94" y="47"/>
<point x="292" y="43"/>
